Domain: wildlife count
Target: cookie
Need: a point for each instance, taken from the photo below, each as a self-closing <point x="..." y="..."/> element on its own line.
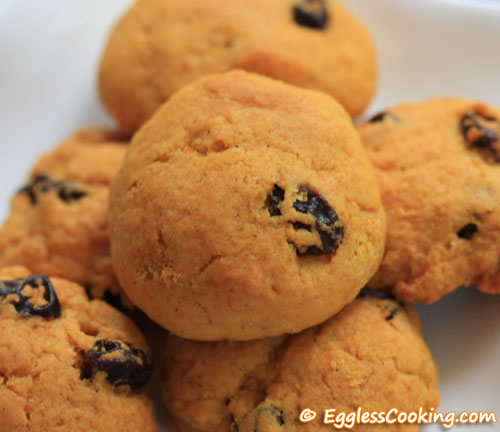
<point x="67" y="363"/>
<point x="58" y="221"/>
<point x="370" y="355"/>
<point x="159" y="46"/>
<point x="243" y="201"/>
<point x="438" y="166"/>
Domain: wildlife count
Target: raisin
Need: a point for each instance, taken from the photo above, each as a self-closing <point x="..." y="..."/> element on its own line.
<point x="68" y="194"/>
<point x="299" y="225"/>
<point x="381" y="116"/>
<point x="30" y="188"/>
<point x="327" y="222"/>
<point x="392" y="313"/>
<point x="311" y="13"/>
<point x="274" y="200"/>
<point x="42" y="183"/>
<point x="124" y="364"/>
<point x="23" y="305"/>
<point x="482" y="133"/>
<point x="468" y="231"/>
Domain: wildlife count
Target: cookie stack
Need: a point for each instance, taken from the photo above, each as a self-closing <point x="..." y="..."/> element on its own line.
<point x="67" y="362"/>
<point x="242" y="211"/>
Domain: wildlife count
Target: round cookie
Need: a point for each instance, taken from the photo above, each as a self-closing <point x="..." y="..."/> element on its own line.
<point x="159" y="46"/>
<point x="58" y="222"/>
<point x="67" y="363"/>
<point x="438" y="166"/>
<point x="370" y="355"/>
<point x="245" y="208"/>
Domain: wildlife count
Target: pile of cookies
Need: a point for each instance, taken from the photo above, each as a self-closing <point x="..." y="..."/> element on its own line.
<point x="241" y="210"/>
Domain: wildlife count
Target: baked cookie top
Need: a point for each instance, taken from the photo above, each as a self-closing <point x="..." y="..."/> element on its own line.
<point x="245" y="208"/>
<point x="370" y="355"/>
<point x="58" y="221"/>
<point x="91" y="156"/>
<point x="67" y="363"/>
<point x="160" y="46"/>
<point x="438" y="166"/>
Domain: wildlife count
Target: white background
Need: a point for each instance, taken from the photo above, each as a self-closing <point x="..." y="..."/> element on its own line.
<point x="49" y="52"/>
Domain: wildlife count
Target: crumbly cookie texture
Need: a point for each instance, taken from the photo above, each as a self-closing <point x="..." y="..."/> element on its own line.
<point x="92" y="155"/>
<point x="52" y="377"/>
<point x="58" y="221"/>
<point x="159" y="46"/>
<point x="438" y="166"/>
<point x="371" y="355"/>
<point x="243" y="201"/>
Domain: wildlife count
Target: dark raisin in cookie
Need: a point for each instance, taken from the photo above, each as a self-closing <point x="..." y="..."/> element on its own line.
<point x="123" y="364"/>
<point x="33" y="295"/>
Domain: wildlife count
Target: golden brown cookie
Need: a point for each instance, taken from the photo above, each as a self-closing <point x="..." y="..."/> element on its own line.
<point x="160" y="46"/>
<point x="245" y="208"/>
<point x="438" y="166"/>
<point x="58" y="222"/>
<point x="67" y="363"/>
<point x="370" y="355"/>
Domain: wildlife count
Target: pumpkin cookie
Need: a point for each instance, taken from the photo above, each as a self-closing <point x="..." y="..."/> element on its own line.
<point x="160" y="46"/>
<point x="438" y="166"/>
<point x="370" y="355"/>
<point x="245" y="208"/>
<point x="67" y="363"/>
<point x="58" y="221"/>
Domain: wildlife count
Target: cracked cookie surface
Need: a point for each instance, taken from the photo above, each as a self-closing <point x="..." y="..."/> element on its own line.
<point x="203" y="245"/>
<point x="371" y="355"/>
<point x="160" y="46"/>
<point x="438" y="167"/>
<point x="58" y="220"/>
<point x="41" y="387"/>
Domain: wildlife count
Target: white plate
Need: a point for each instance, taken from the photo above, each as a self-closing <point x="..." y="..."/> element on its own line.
<point x="49" y="52"/>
